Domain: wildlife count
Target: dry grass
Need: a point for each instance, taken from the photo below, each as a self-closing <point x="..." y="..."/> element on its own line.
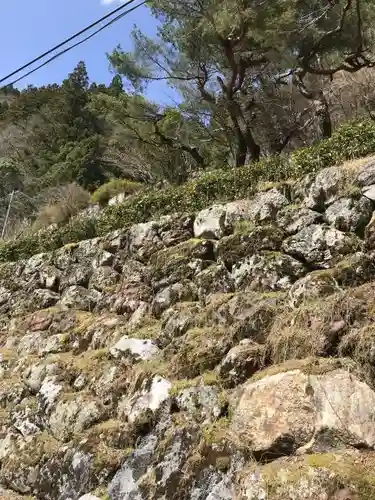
<point x="315" y="329"/>
<point x="356" y="164"/>
<point x="310" y="366"/>
<point x="61" y="204"/>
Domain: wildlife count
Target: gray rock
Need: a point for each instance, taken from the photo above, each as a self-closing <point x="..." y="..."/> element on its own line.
<point x="210" y="222"/>
<point x="48" y="393"/>
<point x="151" y="396"/>
<point x="314" y="285"/>
<point x="5" y="295"/>
<point x="104" y="278"/>
<point x="178" y="292"/>
<point x="201" y="403"/>
<point x="42" y="299"/>
<point x="293" y="218"/>
<point x="325" y="189"/>
<point x="235" y="247"/>
<point x="241" y="362"/>
<point x="136" y="349"/>
<point x="25" y="420"/>
<point x="366" y="173"/>
<point x="115" y="241"/>
<point x="176" y="321"/>
<point x="247" y="314"/>
<point x="294" y="478"/>
<point x="213" y="486"/>
<point x="125" y="484"/>
<point x="218" y="220"/>
<point x="369" y="192"/>
<point x="262" y="208"/>
<point x="168" y="468"/>
<point x="143" y="240"/>
<point x="67" y="475"/>
<point x="267" y="271"/>
<point x="103" y="259"/>
<point x="73" y="416"/>
<point x="348" y="214"/>
<point x="214" y="279"/>
<point x="77" y="297"/>
<point x="321" y="245"/>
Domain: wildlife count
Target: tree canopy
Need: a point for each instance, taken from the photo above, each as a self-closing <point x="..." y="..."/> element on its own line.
<point x="253" y="79"/>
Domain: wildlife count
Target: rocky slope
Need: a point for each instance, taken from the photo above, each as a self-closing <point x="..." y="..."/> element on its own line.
<point x="222" y="355"/>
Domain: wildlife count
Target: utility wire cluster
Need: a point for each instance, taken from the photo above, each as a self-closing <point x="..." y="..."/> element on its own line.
<point x="119" y="13"/>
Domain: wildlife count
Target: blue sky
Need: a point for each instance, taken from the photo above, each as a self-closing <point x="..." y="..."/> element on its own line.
<point x="29" y="28"/>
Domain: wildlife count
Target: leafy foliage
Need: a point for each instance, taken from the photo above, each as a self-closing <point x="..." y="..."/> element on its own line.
<point x="112" y="188"/>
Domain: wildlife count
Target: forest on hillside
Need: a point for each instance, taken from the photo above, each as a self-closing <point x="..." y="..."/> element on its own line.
<point x="255" y="79"/>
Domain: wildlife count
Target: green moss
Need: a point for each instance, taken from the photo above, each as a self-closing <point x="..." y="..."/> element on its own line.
<point x="243" y="227"/>
<point x="207" y="378"/>
<point x="310" y="366"/>
<point x="147" y="331"/>
<point x="216" y="433"/>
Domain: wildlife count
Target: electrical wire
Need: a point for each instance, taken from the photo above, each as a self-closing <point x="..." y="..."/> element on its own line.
<point x="59" y="54"/>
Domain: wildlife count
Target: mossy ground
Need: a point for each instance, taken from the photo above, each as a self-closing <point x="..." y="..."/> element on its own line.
<point x="348" y="473"/>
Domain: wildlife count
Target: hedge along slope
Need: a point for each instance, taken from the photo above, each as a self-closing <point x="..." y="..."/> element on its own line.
<point x="351" y="141"/>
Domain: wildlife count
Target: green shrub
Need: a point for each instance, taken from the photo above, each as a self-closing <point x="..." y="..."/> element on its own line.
<point x="112" y="188"/>
<point x="353" y="140"/>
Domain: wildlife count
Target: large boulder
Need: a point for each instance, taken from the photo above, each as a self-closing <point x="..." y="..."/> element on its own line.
<point x="321" y="245"/>
<point x="305" y="409"/>
<point x="261" y="209"/>
<point x="349" y="214"/>
<point x="267" y="271"/>
<point x="235" y="247"/>
<point x="220" y="220"/>
<point x="78" y="297"/>
<point x="210" y="222"/>
<point x="325" y="188"/>
<point x="292" y="218"/>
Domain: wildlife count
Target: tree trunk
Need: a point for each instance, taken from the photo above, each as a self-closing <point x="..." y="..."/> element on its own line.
<point x="247" y="149"/>
<point x="323" y="115"/>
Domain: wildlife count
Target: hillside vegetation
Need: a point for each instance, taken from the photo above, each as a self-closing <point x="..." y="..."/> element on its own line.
<point x="246" y="94"/>
<point x="187" y="291"/>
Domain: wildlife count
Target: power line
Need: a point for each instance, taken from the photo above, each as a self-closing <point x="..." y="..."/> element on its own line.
<point x="117" y="18"/>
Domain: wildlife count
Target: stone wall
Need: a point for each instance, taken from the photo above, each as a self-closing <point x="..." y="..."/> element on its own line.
<point x="210" y="356"/>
